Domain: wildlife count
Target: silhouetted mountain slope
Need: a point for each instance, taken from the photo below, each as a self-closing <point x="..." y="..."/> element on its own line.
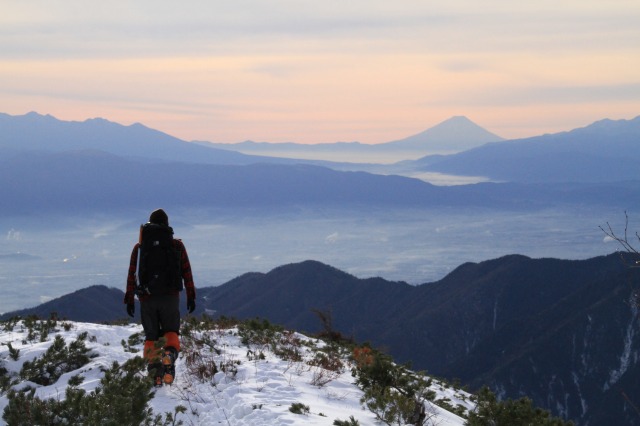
<point x="95" y="180"/>
<point x="455" y="134"/>
<point x="35" y="132"/>
<point x="452" y="135"/>
<point x="561" y="332"/>
<point x="92" y="304"/>
<point x="84" y="181"/>
<point x="294" y="290"/>
<point x="481" y="299"/>
<point x="605" y="151"/>
<point x="576" y="354"/>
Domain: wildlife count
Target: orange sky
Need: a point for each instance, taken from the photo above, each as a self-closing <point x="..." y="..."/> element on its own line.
<point x="309" y="72"/>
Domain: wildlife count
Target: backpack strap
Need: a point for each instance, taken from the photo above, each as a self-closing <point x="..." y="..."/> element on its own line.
<point x="140" y="290"/>
<point x="138" y="259"/>
<point x="179" y="247"/>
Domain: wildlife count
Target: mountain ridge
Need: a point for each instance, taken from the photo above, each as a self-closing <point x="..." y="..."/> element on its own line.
<point x="92" y="180"/>
<point x="36" y="132"/>
<point x="507" y="322"/>
<point x="455" y="134"/>
<point x="604" y="151"/>
<point x="457" y="129"/>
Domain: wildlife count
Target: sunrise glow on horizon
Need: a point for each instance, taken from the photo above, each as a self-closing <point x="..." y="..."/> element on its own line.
<point x="368" y="71"/>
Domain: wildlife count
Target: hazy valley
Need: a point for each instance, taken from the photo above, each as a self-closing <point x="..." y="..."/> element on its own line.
<point x="46" y="257"/>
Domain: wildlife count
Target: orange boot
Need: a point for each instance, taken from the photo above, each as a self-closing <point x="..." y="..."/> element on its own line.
<point x="170" y="355"/>
<point x="155" y="368"/>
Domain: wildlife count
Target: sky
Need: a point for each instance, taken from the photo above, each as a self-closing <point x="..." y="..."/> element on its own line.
<point x="371" y="71"/>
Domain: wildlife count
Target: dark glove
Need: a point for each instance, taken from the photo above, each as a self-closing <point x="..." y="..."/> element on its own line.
<point x="191" y="305"/>
<point x="131" y="309"/>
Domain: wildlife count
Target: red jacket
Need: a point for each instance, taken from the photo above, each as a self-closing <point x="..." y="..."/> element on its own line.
<point x="187" y="277"/>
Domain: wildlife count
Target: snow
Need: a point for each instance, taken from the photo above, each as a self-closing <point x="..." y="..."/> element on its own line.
<point x="625" y="357"/>
<point x="258" y="390"/>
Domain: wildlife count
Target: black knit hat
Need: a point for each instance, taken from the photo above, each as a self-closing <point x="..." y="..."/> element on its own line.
<point x="159" y="217"/>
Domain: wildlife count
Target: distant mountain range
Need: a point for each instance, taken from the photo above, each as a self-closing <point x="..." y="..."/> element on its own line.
<point x="562" y="332"/>
<point x="52" y="165"/>
<point x="605" y="151"/>
<point x="33" y="132"/>
<point x="36" y="132"/>
<point x="86" y="181"/>
<point x="94" y="181"/>
<point x="453" y="135"/>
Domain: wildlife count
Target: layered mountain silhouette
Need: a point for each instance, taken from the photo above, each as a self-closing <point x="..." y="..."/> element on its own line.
<point x="561" y="332"/>
<point x="453" y="135"/>
<point x="83" y="181"/>
<point x="605" y="151"/>
<point x="52" y="165"/>
<point x="94" y="181"/>
<point x="33" y="132"/>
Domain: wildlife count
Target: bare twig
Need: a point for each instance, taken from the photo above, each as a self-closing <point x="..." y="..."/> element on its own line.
<point x="624" y="240"/>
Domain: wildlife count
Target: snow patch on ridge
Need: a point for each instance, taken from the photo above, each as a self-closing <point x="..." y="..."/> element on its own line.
<point x="625" y="357"/>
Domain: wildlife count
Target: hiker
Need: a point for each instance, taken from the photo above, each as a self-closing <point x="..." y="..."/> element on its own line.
<point x="158" y="270"/>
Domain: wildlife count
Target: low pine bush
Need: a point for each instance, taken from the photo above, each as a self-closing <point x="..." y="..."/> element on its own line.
<point x="121" y="399"/>
<point x="351" y="422"/>
<point x="39" y="330"/>
<point x="299" y="408"/>
<point x="56" y="361"/>
<point x="491" y="412"/>
<point x="394" y="393"/>
<point x="256" y="332"/>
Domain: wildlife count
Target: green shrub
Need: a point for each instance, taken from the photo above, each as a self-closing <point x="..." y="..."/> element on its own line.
<point x="10" y="324"/>
<point x="330" y="360"/>
<point x="14" y="353"/>
<point x="445" y="403"/>
<point x="256" y="332"/>
<point x="351" y="422"/>
<point x="37" y="329"/>
<point x="491" y="412"/>
<point x="299" y="408"/>
<point x="389" y="405"/>
<point x="394" y="393"/>
<point x="192" y="324"/>
<point x="134" y="340"/>
<point x="121" y="399"/>
<point x="286" y="345"/>
<point x="56" y="361"/>
<point x="6" y="380"/>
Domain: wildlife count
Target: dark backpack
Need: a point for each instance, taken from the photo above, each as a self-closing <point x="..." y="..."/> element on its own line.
<point x="159" y="262"/>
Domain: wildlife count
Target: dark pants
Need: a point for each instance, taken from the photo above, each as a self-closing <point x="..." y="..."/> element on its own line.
<point x="160" y="315"/>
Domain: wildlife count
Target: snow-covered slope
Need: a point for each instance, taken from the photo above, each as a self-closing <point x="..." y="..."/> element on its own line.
<point x="255" y="383"/>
